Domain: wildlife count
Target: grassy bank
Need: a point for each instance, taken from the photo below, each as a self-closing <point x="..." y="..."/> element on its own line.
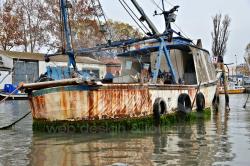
<point x="115" y="125"/>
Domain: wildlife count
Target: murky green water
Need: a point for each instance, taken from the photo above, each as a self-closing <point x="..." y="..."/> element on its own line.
<point x="223" y="140"/>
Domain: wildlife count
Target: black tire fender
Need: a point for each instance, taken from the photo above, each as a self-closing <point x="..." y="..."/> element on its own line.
<point x="159" y="108"/>
<point x="184" y="103"/>
<point x="200" y="102"/>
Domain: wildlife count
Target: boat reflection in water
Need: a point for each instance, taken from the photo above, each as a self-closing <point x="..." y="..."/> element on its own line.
<point x="202" y="143"/>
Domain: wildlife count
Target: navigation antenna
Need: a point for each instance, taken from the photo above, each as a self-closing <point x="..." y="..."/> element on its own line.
<point x="169" y="16"/>
<point x="102" y="20"/>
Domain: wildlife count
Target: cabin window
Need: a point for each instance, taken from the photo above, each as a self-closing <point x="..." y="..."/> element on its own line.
<point x="189" y="75"/>
<point x="128" y="65"/>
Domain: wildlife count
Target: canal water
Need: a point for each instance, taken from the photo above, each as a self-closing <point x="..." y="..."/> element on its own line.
<point x="222" y="140"/>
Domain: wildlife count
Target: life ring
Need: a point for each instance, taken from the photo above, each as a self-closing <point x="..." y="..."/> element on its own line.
<point x="159" y="108"/>
<point x="184" y="103"/>
<point x="200" y="102"/>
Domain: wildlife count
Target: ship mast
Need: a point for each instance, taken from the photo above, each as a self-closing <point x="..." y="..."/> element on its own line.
<point x="64" y="5"/>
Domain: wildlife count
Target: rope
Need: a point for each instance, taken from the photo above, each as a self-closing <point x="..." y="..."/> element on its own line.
<point x="19" y="87"/>
<point x="12" y="124"/>
<point x="198" y="88"/>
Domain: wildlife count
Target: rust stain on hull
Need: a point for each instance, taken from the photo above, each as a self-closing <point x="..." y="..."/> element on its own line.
<point x="118" y="102"/>
<point x="76" y="102"/>
<point x="109" y="102"/>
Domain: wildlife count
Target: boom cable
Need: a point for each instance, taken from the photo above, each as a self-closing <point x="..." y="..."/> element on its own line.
<point x="133" y="16"/>
<point x="157" y="5"/>
<point x="169" y="3"/>
<point x="101" y="15"/>
<point x="136" y="16"/>
<point x="181" y="30"/>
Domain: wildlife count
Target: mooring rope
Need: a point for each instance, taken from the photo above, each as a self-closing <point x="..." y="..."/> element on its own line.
<point x="12" y="124"/>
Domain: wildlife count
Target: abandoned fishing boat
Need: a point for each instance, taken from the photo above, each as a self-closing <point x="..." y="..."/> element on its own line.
<point x="160" y="74"/>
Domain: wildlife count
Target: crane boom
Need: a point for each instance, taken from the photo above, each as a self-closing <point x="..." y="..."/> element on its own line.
<point x="145" y="17"/>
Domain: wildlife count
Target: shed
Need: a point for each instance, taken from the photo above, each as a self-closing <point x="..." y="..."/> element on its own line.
<point x="4" y="74"/>
<point x="28" y="66"/>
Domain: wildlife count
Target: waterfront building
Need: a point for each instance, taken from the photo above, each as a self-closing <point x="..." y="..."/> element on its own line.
<point x="27" y="67"/>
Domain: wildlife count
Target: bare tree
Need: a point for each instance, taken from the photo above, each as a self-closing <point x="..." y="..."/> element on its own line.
<point x="38" y="25"/>
<point x="220" y="34"/>
<point x="34" y="24"/>
<point x="10" y="26"/>
<point x="247" y="55"/>
<point x="123" y="31"/>
<point x="84" y="28"/>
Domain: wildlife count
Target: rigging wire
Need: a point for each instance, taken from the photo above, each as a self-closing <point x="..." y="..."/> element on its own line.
<point x="95" y="12"/>
<point x="185" y="35"/>
<point x="136" y="15"/>
<point x="104" y="17"/>
<point x="169" y="3"/>
<point x="133" y="16"/>
<point x="157" y="5"/>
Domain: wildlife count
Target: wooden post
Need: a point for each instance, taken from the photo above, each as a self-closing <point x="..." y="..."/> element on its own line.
<point x="225" y="86"/>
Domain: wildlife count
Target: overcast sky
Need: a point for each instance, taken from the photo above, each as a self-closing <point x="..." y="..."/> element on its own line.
<point x="195" y="20"/>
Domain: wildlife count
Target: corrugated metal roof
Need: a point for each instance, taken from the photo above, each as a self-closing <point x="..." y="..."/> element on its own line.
<point x="40" y="57"/>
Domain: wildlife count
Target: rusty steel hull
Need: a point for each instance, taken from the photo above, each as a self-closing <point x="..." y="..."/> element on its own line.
<point x="108" y="101"/>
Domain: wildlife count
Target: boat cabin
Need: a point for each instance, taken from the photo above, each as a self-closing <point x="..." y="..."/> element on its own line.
<point x="187" y="64"/>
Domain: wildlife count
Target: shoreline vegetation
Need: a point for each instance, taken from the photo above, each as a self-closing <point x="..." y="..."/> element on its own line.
<point x="144" y="124"/>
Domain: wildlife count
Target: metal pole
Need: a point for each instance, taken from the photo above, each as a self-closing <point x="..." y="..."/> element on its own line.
<point x="163" y="6"/>
<point x="66" y="25"/>
<point x="69" y="49"/>
<point x="236" y="66"/>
